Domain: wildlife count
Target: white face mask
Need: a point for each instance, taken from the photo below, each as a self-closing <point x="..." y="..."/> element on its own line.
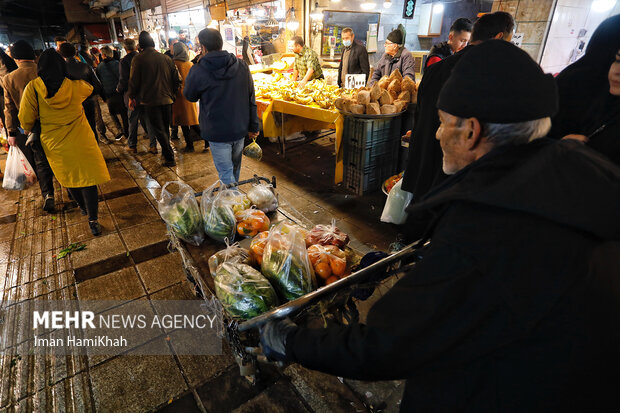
<point x="346" y="43"/>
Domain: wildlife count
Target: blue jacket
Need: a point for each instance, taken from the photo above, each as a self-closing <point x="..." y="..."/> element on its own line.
<point x="224" y="86"/>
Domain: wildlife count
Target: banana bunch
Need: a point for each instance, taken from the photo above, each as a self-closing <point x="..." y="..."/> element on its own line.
<point x="315" y="92"/>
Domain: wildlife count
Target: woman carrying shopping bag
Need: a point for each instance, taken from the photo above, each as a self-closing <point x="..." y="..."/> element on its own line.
<point x="66" y="136"/>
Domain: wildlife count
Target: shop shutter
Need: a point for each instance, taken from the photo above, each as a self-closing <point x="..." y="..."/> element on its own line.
<point x="174" y="6"/>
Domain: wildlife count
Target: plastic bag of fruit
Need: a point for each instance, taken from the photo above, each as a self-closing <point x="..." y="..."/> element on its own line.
<point x="253" y="151"/>
<point x="286" y="264"/>
<point x="251" y="221"/>
<point x="264" y="197"/>
<point x="219" y="219"/>
<point x="329" y="263"/>
<point x="232" y="253"/>
<point x="327" y="235"/>
<point x="257" y="246"/>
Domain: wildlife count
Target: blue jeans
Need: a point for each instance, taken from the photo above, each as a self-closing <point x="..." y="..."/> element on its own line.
<point x="227" y="159"/>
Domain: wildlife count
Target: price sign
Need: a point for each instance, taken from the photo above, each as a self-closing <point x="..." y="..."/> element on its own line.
<point x="355" y="81"/>
<point x="517" y="39"/>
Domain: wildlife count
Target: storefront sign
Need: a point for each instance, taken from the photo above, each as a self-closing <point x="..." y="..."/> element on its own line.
<point x="355" y="81"/>
<point x="408" y="9"/>
<point x="517" y="39"/>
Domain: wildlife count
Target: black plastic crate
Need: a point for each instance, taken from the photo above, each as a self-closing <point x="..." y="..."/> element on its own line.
<point x="370" y="152"/>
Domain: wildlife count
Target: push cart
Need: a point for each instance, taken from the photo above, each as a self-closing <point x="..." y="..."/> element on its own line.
<point x="333" y="303"/>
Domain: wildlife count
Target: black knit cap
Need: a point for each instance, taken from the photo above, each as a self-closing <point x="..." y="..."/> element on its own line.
<point x="497" y="82"/>
<point x="21" y="50"/>
<point x="145" y="40"/>
<point x="395" y="36"/>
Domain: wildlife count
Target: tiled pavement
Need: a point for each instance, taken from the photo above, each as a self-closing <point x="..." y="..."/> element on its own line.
<point x="131" y="261"/>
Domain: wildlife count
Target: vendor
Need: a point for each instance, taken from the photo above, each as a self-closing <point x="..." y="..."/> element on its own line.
<point x="460" y="33"/>
<point x="307" y="65"/>
<point x="396" y="57"/>
<point x="354" y="58"/>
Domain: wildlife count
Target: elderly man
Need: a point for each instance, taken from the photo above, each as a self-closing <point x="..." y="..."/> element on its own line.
<point x="354" y="58"/>
<point x="307" y="64"/>
<point x="396" y="56"/>
<point x="503" y="312"/>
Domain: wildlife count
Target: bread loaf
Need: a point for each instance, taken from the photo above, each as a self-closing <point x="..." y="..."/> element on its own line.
<point x="394" y="88"/>
<point x="404" y="95"/>
<point x="396" y="75"/>
<point x="386" y="98"/>
<point x="407" y="84"/>
<point x="358" y="109"/>
<point x="401" y="105"/>
<point x="363" y="97"/>
<point x="388" y="109"/>
<point x="340" y="103"/>
<point x="375" y="93"/>
<point x="373" y="109"/>
<point x="384" y="82"/>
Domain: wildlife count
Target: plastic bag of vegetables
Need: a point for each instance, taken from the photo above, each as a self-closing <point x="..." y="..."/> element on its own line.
<point x="177" y="205"/>
<point x="253" y="151"/>
<point x="251" y="221"/>
<point x="218" y="215"/>
<point x="286" y="264"/>
<point x="236" y="199"/>
<point x="264" y="197"/>
<point x="243" y="291"/>
<point x="232" y="253"/>
<point x="327" y="235"/>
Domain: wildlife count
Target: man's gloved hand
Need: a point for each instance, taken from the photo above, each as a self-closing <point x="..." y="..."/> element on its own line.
<point x="273" y="336"/>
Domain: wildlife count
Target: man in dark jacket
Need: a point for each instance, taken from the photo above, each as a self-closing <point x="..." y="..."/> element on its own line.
<point x="136" y="114"/>
<point x="108" y="72"/>
<point x="225" y="88"/>
<point x="83" y="71"/>
<point x="502" y="313"/>
<point x="459" y="35"/>
<point x="424" y="161"/>
<point x="14" y="84"/>
<point x="396" y="56"/>
<point x="153" y="83"/>
<point x="354" y="58"/>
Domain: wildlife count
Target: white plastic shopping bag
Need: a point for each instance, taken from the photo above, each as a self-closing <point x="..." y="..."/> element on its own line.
<point x="18" y="174"/>
<point x="394" y="210"/>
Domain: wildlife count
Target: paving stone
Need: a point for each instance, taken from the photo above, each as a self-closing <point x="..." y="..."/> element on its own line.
<point x="185" y="404"/>
<point x="129" y="217"/>
<point x="98" y="249"/>
<point x="81" y="232"/>
<point x="120" y="285"/>
<point x="134" y="201"/>
<point x="136" y="383"/>
<point x="279" y="398"/>
<point x="199" y="369"/>
<point x="181" y="291"/>
<point x="6" y="231"/>
<point x="162" y="272"/>
<point x="323" y="392"/>
<point x="145" y="234"/>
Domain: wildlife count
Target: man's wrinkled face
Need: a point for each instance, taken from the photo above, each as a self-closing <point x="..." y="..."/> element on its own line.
<point x="452" y="136"/>
<point x="458" y="40"/>
<point x="614" y="76"/>
<point x="391" y="48"/>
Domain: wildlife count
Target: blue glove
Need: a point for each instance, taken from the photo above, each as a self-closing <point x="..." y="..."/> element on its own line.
<point x="273" y="336"/>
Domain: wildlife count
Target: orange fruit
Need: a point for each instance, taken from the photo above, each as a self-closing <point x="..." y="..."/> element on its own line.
<point x="338" y="266"/>
<point x="323" y="270"/>
<point x="331" y="279"/>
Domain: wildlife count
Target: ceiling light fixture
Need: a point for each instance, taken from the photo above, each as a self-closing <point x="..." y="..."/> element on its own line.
<point x="368" y="5"/>
<point x="316" y="14"/>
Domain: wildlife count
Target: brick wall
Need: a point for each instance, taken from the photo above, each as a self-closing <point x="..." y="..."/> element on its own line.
<point x="532" y="18"/>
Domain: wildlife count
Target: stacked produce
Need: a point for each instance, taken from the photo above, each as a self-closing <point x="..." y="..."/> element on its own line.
<point x="315" y="93"/>
<point x="251" y="221"/>
<point x="391" y="94"/>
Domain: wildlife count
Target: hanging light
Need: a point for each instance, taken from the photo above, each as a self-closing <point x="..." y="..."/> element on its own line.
<point x="292" y="24"/>
<point x="387" y="4"/>
<point x="316" y="14"/>
<point x="368" y="5"/>
<point x="213" y="24"/>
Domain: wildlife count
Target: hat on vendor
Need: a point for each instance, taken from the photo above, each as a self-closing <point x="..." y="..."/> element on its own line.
<point x="497" y="82"/>
<point x="395" y="36"/>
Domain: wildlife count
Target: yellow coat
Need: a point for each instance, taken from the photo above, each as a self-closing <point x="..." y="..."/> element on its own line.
<point x="66" y="136"/>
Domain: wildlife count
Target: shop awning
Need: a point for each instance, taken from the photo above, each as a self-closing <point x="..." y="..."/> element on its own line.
<point x="239" y="4"/>
<point x="174" y="6"/>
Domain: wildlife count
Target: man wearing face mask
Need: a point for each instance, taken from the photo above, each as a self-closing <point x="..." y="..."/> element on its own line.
<point x="354" y="58"/>
<point x="396" y="57"/>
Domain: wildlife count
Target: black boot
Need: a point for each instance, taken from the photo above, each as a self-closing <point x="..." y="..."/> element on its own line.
<point x="95" y="227"/>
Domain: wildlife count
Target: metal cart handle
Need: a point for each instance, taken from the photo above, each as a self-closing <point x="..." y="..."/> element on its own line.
<point x="256" y="180"/>
<point x="300" y="303"/>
